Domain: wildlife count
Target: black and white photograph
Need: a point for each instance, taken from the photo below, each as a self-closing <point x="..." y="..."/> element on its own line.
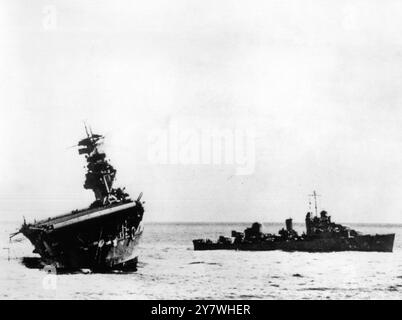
<point x="200" y="150"/>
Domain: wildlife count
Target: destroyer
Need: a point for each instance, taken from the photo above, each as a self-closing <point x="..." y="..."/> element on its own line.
<point x="322" y="235"/>
<point x="103" y="236"/>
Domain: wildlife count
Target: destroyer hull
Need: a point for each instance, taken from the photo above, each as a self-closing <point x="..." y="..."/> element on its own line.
<point x="101" y="239"/>
<point x="378" y="243"/>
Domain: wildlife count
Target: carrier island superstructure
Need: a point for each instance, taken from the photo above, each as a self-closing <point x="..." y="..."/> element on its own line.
<point x="103" y="236"/>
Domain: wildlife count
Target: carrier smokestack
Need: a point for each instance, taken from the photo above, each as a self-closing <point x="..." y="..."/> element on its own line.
<point x="289" y="224"/>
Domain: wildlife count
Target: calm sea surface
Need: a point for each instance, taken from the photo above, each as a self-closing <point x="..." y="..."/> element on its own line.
<point x="170" y="269"/>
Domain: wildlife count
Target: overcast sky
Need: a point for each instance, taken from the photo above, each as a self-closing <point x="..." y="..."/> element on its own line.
<point x="319" y="82"/>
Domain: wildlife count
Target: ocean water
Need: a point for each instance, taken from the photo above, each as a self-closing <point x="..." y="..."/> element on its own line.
<point x="169" y="269"/>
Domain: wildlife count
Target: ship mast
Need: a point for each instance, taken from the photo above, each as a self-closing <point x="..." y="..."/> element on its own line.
<point x="86" y="129"/>
<point x="100" y="173"/>
<point x="314" y="195"/>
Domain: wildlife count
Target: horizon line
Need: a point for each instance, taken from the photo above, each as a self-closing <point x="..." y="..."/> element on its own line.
<point x="276" y="222"/>
<point x="241" y="222"/>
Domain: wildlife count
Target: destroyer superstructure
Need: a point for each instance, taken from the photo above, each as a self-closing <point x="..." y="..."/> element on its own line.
<point x="322" y="235"/>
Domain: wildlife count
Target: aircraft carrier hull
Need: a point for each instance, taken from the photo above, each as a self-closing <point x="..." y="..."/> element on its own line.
<point x="98" y="239"/>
